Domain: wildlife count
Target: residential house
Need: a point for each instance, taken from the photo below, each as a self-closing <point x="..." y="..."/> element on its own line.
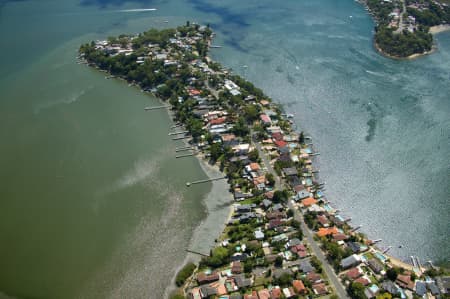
<point x="320" y="289"/>
<point x="264" y="294"/>
<point x="350" y="261"/>
<point x="203" y="278"/>
<point x="236" y="267"/>
<point x="299" y="287"/>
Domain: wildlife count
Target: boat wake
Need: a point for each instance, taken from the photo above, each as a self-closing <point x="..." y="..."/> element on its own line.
<point x="75" y="96"/>
<point x="137" y="10"/>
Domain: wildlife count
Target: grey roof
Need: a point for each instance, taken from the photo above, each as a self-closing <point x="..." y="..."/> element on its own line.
<point x="242" y="282"/>
<point x="375" y="265"/>
<point x="290" y="171"/>
<point x="238" y="195"/>
<point x="421" y="288"/>
<point x="294" y="242"/>
<point x="303" y="194"/>
<point x="236" y="296"/>
<point x="350" y="261"/>
<point x="208" y="291"/>
<point x="433" y="288"/>
<point x="390" y="287"/>
<point x="266" y="203"/>
<point x="306" y="266"/>
<point x="278" y="272"/>
<point x="277" y="207"/>
<point x="239" y="257"/>
<point x="355" y="247"/>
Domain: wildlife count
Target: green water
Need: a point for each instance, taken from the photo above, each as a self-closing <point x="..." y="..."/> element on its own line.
<point x="93" y="202"/>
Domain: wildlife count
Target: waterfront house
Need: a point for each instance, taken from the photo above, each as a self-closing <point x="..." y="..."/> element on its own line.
<point x="404" y="281"/>
<point x="350" y="261"/>
<point x="375" y="265"/>
<point x="203" y="278"/>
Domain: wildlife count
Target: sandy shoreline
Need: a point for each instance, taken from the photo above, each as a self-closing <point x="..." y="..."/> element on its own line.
<point x="439" y="28"/>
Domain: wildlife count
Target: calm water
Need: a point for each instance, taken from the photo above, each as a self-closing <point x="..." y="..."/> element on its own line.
<point x="93" y="205"/>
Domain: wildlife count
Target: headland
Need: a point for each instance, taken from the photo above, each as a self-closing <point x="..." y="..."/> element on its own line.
<point x="284" y="237"/>
<point x="404" y="28"/>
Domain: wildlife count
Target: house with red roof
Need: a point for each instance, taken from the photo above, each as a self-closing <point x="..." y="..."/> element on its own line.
<point x="354" y="273"/>
<point x="299" y="287"/>
<point x="265" y="119"/>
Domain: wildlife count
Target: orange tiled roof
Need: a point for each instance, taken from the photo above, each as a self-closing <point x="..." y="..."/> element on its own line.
<point x="327" y="231"/>
<point x="309" y="201"/>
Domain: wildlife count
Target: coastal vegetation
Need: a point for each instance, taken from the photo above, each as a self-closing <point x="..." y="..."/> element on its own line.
<point x="270" y="245"/>
<point x="402" y="28"/>
<point x="184" y="274"/>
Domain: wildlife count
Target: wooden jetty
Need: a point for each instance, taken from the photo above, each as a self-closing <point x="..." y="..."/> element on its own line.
<point x="215" y="47"/>
<point x="180" y="137"/>
<point x="185" y="155"/>
<point x="356" y="228"/>
<point x="155" y="107"/>
<point x="205" y="180"/>
<point x="196" y="252"/>
<point x="387" y="249"/>
<point x="178" y="133"/>
<point x="315" y="154"/>
<point x="183" y="149"/>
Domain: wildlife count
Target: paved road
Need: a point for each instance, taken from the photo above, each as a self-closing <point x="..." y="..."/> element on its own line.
<point x="263" y="156"/>
<point x="332" y="278"/>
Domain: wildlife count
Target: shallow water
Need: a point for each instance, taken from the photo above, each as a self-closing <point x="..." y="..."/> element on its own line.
<point x="93" y="205"/>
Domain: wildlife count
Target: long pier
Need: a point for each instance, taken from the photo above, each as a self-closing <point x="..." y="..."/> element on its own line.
<point x="196" y="252"/>
<point x="205" y="180"/>
<point x="155" y="107"/>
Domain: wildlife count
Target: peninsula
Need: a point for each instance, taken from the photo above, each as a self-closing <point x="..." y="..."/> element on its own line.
<point x="404" y="27"/>
<point x="283" y="239"/>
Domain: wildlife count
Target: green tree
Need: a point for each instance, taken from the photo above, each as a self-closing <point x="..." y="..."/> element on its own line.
<point x="392" y="274"/>
<point x="356" y="291"/>
<point x="279" y="261"/>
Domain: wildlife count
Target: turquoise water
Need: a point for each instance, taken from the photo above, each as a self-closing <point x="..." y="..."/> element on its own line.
<point x="93" y="205"/>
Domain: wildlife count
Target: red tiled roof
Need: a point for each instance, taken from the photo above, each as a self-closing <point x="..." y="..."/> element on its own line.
<point x="280" y="143"/>
<point x="363" y="281"/>
<point x="277" y="136"/>
<point x="340" y="237"/>
<point x="265" y="118"/>
<point x="299" y="286"/>
<point x="217" y="121"/>
<point x="264" y="294"/>
<point x="254" y="166"/>
<point x="353" y="273"/>
<point x="320" y="288"/>
<point x="275" y="293"/>
<point x="313" y="277"/>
